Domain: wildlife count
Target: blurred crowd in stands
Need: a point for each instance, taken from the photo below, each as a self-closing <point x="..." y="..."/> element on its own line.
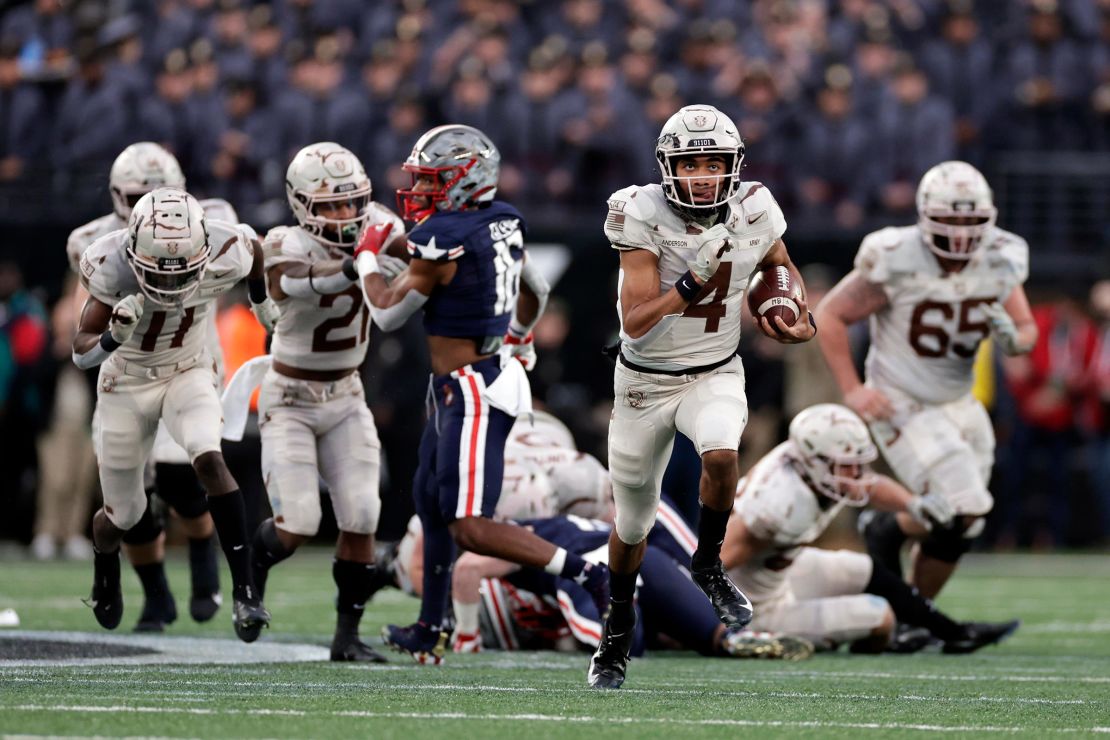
<point x="843" y="105"/>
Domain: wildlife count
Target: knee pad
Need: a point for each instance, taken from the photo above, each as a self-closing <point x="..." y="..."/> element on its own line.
<point x="948" y="544"/>
<point x="177" y="485"/>
<point x="124" y="497"/>
<point x="145" y="531"/>
<point x="632" y="442"/>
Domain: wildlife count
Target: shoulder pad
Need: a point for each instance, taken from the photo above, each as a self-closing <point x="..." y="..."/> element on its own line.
<point x="219" y="209"/>
<point x="758" y="207"/>
<point x="232" y="251"/>
<point x="104" y="270"/>
<point x="283" y="244"/>
<point x="881" y="254"/>
<point x="83" y="236"/>
<point x="426" y="242"/>
<point x="1009" y="253"/>
<point x="631" y="217"/>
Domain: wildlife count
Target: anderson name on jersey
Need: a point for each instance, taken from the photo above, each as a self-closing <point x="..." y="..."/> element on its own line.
<point x="328" y="331"/>
<point x="924" y="342"/>
<point x="777" y="506"/>
<point x="709" y="330"/>
<point x="166" y="334"/>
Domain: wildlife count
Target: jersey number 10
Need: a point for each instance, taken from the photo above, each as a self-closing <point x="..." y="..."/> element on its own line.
<point x="507" y="272"/>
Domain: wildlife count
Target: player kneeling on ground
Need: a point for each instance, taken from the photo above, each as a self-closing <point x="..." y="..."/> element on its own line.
<point x="151" y="289"/>
<point x="831" y="597"/>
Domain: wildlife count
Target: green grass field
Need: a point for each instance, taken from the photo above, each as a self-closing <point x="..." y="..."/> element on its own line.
<point x="1051" y="678"/>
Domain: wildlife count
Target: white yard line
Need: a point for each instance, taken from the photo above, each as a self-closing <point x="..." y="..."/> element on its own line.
<point x="881" y="726"/>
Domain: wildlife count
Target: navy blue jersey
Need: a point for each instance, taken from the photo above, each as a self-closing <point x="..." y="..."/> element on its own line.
<point x="487" y="245"/>
<point x="572" y="533"/>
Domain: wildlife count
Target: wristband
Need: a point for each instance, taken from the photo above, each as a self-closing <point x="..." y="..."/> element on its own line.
<point x="687" y="286"/>
<point x="256" y="289"/>
<point x="366" y="263"/>
<point x="108" y="343"/>
<point x="348" y="269"/>
<point x="517" y="329"/>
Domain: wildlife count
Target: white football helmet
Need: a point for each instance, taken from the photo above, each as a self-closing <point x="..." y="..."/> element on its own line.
<point x="583" y="488"/>
<point x="168" y="246"/>
<point x="955" y="209"/>
<point x="326" y="172"/>
<point x="692" y="131"/>
<point x="139" y="169"/>
<point x="834" y="449"/>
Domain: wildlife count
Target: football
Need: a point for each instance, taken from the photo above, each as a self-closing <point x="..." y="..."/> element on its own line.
<point x="773" y="292"/>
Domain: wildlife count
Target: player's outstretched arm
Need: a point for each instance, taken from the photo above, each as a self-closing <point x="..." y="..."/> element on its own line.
<point x="307" y="280"/>
<point x="852" y="299"/>
<point x="1012" y="325"/>
<point x="262" y="306"/>
<point x="803" y="329"/>
<point x="101" y="330"/>
<point x="916" y="514"/>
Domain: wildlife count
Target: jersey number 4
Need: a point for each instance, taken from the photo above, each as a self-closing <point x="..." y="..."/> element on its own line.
<point x="714" y="310"/>
<point x="932" y="333"/>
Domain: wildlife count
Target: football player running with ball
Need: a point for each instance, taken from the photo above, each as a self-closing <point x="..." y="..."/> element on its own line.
<point x="137" y="170"/>
<point x="686" y="247"/>
<point x="480" y="298"/>
<point x="313" y="417"/>
<point x="932" y="292"/>
<point x="152" y="287"/>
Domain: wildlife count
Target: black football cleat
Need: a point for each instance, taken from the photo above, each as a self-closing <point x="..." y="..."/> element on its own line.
<point x="350" y="649"/>
<point x="980" y="634"/>
<point x="157" y="612"/>
<point x="249" y="617"/>
<point x="733" y="608"/>
<point x="203" y="606"/>
<point x="909" y="639"/>
<point x="106" y="599"/>
<point x="425" y="645"/>
<point x="610" y="661"/>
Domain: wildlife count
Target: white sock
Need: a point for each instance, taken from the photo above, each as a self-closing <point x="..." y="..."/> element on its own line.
<point x="466" y="617"/>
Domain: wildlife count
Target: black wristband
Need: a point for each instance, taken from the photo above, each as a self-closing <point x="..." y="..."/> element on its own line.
<point x="108" y="343"/>
<point x="687" y="286"/>
<point x="813" y="323"/>
<point x="349" y="270"/>
<point x="256" y="289"/>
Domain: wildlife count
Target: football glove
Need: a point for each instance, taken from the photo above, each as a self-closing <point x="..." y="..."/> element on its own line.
<point x="390" y="266"/>
<point x="1003" y="329"/>
<point x="930" y="510"/>
<point x="267" y="314"/>
<point x="712" y="250"/>
<point x="522" y="348"/>
<point x="373" y="239"/>
<point x="126" y="316"/>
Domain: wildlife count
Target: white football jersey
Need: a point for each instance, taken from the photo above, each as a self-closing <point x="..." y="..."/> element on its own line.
<point x="325" y="332"/>
<point x="168" y="334"/>
<point x="777" y="506"/>
<point x="709" y="330"/>
<point x="924" y="342"/>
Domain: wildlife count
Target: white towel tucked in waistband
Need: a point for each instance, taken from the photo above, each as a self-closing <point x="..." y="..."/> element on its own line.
<point x="237" y="396"/>
<point x="511" y="392"/>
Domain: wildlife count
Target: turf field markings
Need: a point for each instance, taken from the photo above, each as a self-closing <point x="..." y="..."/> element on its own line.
<point x="529" y="717"/>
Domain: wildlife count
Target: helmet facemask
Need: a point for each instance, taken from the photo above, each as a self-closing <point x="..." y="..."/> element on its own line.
<point x="169" y="281"/>
<point x="420" y="201"/>
<point x="953" y="233"/>
<point x="841" y="480"/>
<point x="337" y="232"/>
<point x="681" y="189"/>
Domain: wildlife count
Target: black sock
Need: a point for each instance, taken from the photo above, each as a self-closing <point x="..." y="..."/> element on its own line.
<point x="203" y="566"/>
<point x="355" y="582"/>
<point x="711" y="535"/>
<point x="884" y="539"/>
<point x="153" y="578"/>
<point x="266" y="552"/>
<point x="230" y="517"/>
<point x="909" y="605"/>
<point x="622" y="614"/>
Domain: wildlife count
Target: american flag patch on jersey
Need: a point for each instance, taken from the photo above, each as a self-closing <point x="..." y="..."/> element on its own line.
<point x="615" y="221"/>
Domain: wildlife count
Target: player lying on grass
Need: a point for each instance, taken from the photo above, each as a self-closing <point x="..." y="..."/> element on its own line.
<point x="500" y="605"/>
<point x="830" y="597"/>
